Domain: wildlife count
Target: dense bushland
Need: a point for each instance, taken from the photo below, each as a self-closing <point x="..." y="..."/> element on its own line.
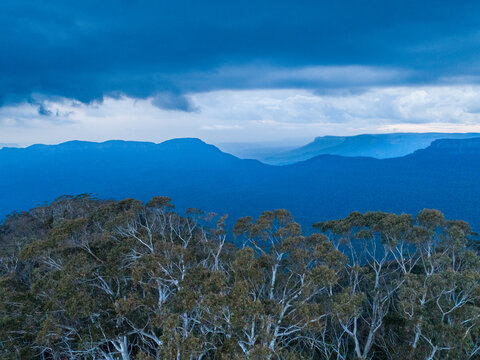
<point x="90" y="279"/>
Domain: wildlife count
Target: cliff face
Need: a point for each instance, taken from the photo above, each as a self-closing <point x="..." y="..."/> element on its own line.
<point x="455" y="146"/>
<point x="380" y="146"/>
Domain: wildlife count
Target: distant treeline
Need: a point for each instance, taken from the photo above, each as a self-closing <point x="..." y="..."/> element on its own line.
<point x="84" y="278"/>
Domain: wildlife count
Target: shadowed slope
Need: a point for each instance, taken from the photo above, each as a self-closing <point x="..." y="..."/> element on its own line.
<point x="443" y="176"/>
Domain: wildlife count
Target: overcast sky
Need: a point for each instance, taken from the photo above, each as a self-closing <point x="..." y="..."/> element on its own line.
<point x="229" y="71"/>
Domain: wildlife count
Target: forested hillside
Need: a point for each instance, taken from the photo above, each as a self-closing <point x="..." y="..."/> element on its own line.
<point x="444" y="176"/>
<point x="84" y="278"/>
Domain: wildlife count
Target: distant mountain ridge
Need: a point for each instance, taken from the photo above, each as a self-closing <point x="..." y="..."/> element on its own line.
<point x="469" y="146"/>
<point x="2" y="145"/>
<point x="380" y="146"/>
<point x="444" y="176"/>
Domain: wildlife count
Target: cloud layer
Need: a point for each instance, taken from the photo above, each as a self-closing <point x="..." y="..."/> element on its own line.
<point x="248" y="115"/>
<point x="86" y="50"/>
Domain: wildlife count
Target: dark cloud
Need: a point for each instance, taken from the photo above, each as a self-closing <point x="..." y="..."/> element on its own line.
<point x="42" y="110"/>
<point x="171" y="101"/>
<point x="87" y="49"/>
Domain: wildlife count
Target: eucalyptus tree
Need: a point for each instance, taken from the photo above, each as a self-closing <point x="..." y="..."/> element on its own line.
<point x="440" y="305"/>
<point x="282" y="277"/>
<point x="411" y="286"/>
<point x="83" y="278"/>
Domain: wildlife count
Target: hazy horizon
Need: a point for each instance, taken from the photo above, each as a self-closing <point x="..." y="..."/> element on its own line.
<point x="281" y="142"/>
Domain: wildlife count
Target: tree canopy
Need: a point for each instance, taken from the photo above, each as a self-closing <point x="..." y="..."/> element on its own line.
<point x="84" y="278"/>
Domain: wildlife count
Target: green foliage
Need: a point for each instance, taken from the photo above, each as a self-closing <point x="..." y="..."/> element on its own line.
<point x="88" y="279"/>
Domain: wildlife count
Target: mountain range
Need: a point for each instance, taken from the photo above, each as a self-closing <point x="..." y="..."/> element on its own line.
<point x="2" y="145"/>
<point x="443" y="176"/>
<point x="379" y="146"/>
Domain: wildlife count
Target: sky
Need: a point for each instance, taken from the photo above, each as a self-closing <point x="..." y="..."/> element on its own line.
<point x="236" y="71"/>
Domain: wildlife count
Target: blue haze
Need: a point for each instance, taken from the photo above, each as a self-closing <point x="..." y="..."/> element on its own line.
<point x="443" y="176"/>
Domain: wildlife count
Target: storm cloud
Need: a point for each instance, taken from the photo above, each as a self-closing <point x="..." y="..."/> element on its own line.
<point x="166" y="50"/>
